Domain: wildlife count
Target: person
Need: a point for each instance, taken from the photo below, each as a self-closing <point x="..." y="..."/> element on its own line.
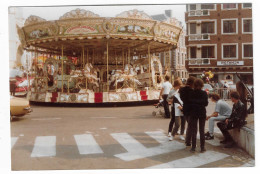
<point x="236" y="120"/>
<point x="179" y="118"/>
<point x="184" y="95"/>
<point x="166" y="87"/>
<point x="176" y="86"/>
<point x="225" y="91"/>
<point x="199" y="101"/>
<point x="222" y="111"/>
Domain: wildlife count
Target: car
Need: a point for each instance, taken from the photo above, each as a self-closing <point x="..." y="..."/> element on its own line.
<point x="208" y="88"/>
<point x="19" y="107"/>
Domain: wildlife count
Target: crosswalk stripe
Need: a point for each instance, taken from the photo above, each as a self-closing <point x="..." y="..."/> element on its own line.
<point x="13" y="141"/>
<point x="137" y="151"/>
<point x="193" y="161"/>
<point x="87" y="144"/>
<point x="128" y="142"/>
<point x="44" y="146"/>
<point x="159" y="136"/>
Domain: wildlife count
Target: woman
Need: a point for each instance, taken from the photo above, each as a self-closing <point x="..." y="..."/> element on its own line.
<point x="199" y="101"/>
<point x="176" y="86"/>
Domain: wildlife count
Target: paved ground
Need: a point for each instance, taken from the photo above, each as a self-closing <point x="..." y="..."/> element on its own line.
<point x="53" y="138"/>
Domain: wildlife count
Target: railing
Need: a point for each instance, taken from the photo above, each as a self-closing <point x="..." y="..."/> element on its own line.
<point x="199" y="61"/>
<point x="199" y="13"/>
<point x="199" y="37"/>
<point x="224" y="93"/>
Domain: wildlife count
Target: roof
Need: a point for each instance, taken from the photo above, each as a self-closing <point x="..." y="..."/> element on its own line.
<point x="160" y="17"/>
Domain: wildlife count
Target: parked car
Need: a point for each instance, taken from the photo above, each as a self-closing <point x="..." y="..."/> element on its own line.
<point x="19" y="107"/>
<point x="208" y="88"/>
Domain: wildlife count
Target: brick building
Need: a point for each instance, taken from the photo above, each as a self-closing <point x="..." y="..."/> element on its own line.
<point x="220" y="39"/>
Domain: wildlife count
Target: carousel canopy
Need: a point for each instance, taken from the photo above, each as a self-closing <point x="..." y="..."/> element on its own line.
<point x="79" y="29"/>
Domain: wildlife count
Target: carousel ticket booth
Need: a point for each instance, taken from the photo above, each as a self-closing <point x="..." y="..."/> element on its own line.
<point x="93" y="59"/>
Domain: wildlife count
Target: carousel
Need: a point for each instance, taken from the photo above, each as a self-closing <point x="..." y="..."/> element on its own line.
<point x="93" y="59"/>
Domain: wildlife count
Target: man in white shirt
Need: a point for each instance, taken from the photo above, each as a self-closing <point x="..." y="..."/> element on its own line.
<point x="166" y="87"/>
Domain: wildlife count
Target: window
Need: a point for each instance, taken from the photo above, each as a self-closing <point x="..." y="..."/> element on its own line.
<point x="208" y="51"/>
<point x="193" y="52"/>
<point x="207" y="6"/>
<point x="193" y="28"/>
<point x="248" y="51"/>
<point x="247" y="25"/>
<point x="247" y="5"/>
<point x="229" y="51"/>
<point x="207" y="27"/>
<point x="229" y="26"/>
<point x="193" y="7"/>
<point x="229" y="6"/>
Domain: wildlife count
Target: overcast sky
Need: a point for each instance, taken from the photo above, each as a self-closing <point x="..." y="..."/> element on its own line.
<point x="54" y="12"/>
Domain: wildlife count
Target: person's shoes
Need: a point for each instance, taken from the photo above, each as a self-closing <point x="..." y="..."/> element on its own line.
<point x="224" y="141"/>
<point x="229" y="144"/>
<point x="206" y="134"/>
<point x="171" y="138"/>
<point x="182" y="138"/>
<point x="209" y="137"/>
<point x="192" y="150"/>
<point x="203" y="150"/>
<point x="188" y="144"/>
<point x="177" y="133"/>
<point x="169" y="134"/>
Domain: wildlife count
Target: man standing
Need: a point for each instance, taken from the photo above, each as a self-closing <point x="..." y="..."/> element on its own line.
<point x="236" y="120"/>
<point x="222" y="112"/>
<point x="185" y="97"/>
<point x="166" y="87"/>
<point x="225" y="91"/>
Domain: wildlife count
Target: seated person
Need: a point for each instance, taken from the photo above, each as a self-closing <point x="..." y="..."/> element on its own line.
<point x="236" y="120"/>
<point x="222" y="111"/>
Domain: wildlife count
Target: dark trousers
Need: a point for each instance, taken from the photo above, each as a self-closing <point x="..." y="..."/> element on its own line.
<point x="194" y="129"/>
<point x="172" y="120"/>
<point x="179" y="120"/>
<point x="166" y="106"/>
<point x="188" y="129"/>
<point x="224" y="129"/>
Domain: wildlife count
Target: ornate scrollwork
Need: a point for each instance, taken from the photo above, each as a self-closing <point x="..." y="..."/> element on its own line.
<point x="33" y="20"/>
<point x="173" y="21"/>
<point x="134" y="14"/>
<point x="78" y="13"/>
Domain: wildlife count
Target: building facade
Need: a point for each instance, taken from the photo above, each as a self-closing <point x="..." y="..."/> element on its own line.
<point x="177" y="56"/>
<point x="220" y="39"/>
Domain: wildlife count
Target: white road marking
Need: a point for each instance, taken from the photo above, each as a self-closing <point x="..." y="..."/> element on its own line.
<point x="137" y="151"/>
<point x="195" y="160"/>
<point x="103" y="128"/>
<point x="40" y="119"/>
<point x="44" y="146"/>
<point x="13" y="141"/>
<point x="158" y="136"/>
<point x="87" y="144"/>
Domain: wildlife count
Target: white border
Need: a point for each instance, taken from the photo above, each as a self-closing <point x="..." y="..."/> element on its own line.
<point x="201" y="21"/>
<point x="243" y="44"/>
<point x="222" y="50"/>
<point x="229" y="19"/>
<point x="243" y="26"/>
<point x="201" y="45"/>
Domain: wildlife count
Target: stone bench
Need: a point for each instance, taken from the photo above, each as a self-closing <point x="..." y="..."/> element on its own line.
<point x="245" y="137"/>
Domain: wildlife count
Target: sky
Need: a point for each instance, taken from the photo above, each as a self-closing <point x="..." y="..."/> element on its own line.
<point x="54" y="12"/>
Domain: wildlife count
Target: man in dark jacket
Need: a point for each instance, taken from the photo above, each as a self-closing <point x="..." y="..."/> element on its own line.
<point x="236" y="120"/>
<point x="185" y="97"/>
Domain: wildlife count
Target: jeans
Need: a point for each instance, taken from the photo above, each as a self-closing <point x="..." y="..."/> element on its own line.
<point x="211" y="122"/>
<point x="179" y="120"/>
<point x="224" y="129"/>
<point x="194" y="129"/>
<point x="172" y="120"/>
<point x="188" y="129"/>
<point x="166" y="106"/>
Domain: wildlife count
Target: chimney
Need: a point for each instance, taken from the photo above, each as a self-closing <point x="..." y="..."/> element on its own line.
<point x="168" y="13"/>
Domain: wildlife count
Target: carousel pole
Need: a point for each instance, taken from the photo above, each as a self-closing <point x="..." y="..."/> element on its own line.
<point x="87" y="56"/>
<point x="169" y="70"/>
<point x="83" y="57"/>
<point x="93" y="58"/>
<point x="107" y="68"/>
<point x="116" y="59"/>
<point x="61" y="68"/>
<point x="128" y="55"/>
<point x="149" y="56"/>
